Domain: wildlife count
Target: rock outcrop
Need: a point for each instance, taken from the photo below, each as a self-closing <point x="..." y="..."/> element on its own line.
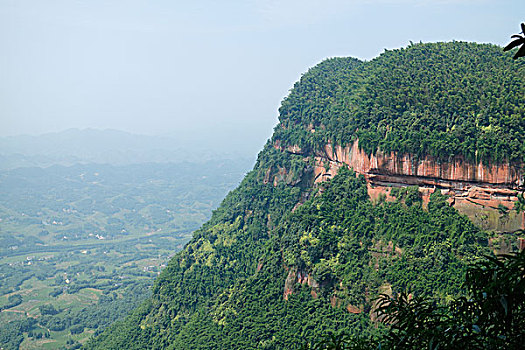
<point x="296" y="275"/>
<point x="486" y="193"/>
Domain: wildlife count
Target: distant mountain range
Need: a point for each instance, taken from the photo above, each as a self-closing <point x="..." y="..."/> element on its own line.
<point x="118" y="147"/>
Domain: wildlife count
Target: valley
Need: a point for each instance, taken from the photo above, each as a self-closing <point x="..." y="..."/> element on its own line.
<point x="81" y="245"/>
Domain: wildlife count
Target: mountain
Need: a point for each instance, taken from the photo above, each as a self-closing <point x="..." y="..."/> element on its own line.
<point x="116" y="147"/>
<point x="359" y="192"/>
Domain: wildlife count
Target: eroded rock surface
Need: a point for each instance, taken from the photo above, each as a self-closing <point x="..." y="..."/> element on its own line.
<point x="486" y="193"/>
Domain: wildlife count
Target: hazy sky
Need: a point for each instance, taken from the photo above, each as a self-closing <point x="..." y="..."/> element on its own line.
<point x="162" y="67"/>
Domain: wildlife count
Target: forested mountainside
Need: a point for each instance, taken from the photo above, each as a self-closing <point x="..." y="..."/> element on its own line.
<point x="288" y="258"/>
<point x="442" y="99"/>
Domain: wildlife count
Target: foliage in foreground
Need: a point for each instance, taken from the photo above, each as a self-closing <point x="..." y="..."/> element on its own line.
<point x="492" y="317"/>
<point x="519" y="41"/>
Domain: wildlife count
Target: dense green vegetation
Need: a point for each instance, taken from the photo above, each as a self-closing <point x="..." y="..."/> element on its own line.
<point x="80" y="246"/>
<point x="492" y="316"/>
<point x="352" y="245"/>
<point x="441" y="99"/>
<point x="227" y="285"/>
<point x="282" y="261"/>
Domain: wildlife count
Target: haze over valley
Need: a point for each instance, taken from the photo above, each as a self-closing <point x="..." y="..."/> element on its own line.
<point x="88" y="219"/>
<point x="262" y="174"/>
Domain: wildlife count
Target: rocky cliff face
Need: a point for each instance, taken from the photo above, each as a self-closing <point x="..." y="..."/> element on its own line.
<point x="485" y="193"/>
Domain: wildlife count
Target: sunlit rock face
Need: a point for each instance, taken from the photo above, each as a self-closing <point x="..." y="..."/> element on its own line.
<point x="480" y="191"/>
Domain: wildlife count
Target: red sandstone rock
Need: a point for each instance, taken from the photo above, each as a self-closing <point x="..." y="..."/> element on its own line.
<point x="353" y="309"/>
<point x="288" y="283"/>
<point x="334" y="301"/>
<point x="476" y="190"/>
<point x="477" y="185"/>
<point x="294" y="149"/>
<point x="457" y="169"/>
<point x="521" y="243"/>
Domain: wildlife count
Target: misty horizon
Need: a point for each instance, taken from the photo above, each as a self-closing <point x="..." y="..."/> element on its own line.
<point x="155" y="68"/>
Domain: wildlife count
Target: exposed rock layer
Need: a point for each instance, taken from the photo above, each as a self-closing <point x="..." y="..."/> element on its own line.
<point x="480" y="191"/>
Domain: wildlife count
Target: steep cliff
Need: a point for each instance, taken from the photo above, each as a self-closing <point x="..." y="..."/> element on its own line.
<point x="485" y="193"/>
<point x="447" y="116"/>
<point x="347" y="201"/>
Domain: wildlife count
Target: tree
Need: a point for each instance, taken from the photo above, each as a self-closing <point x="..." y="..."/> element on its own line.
<point x="519" y="40"/>
<point x="491" y="317"/>
<point x="48" y="309"/>
<point x="519" y="206"/>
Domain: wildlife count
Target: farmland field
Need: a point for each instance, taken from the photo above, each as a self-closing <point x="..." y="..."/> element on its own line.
<point x="80" y="246"/>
